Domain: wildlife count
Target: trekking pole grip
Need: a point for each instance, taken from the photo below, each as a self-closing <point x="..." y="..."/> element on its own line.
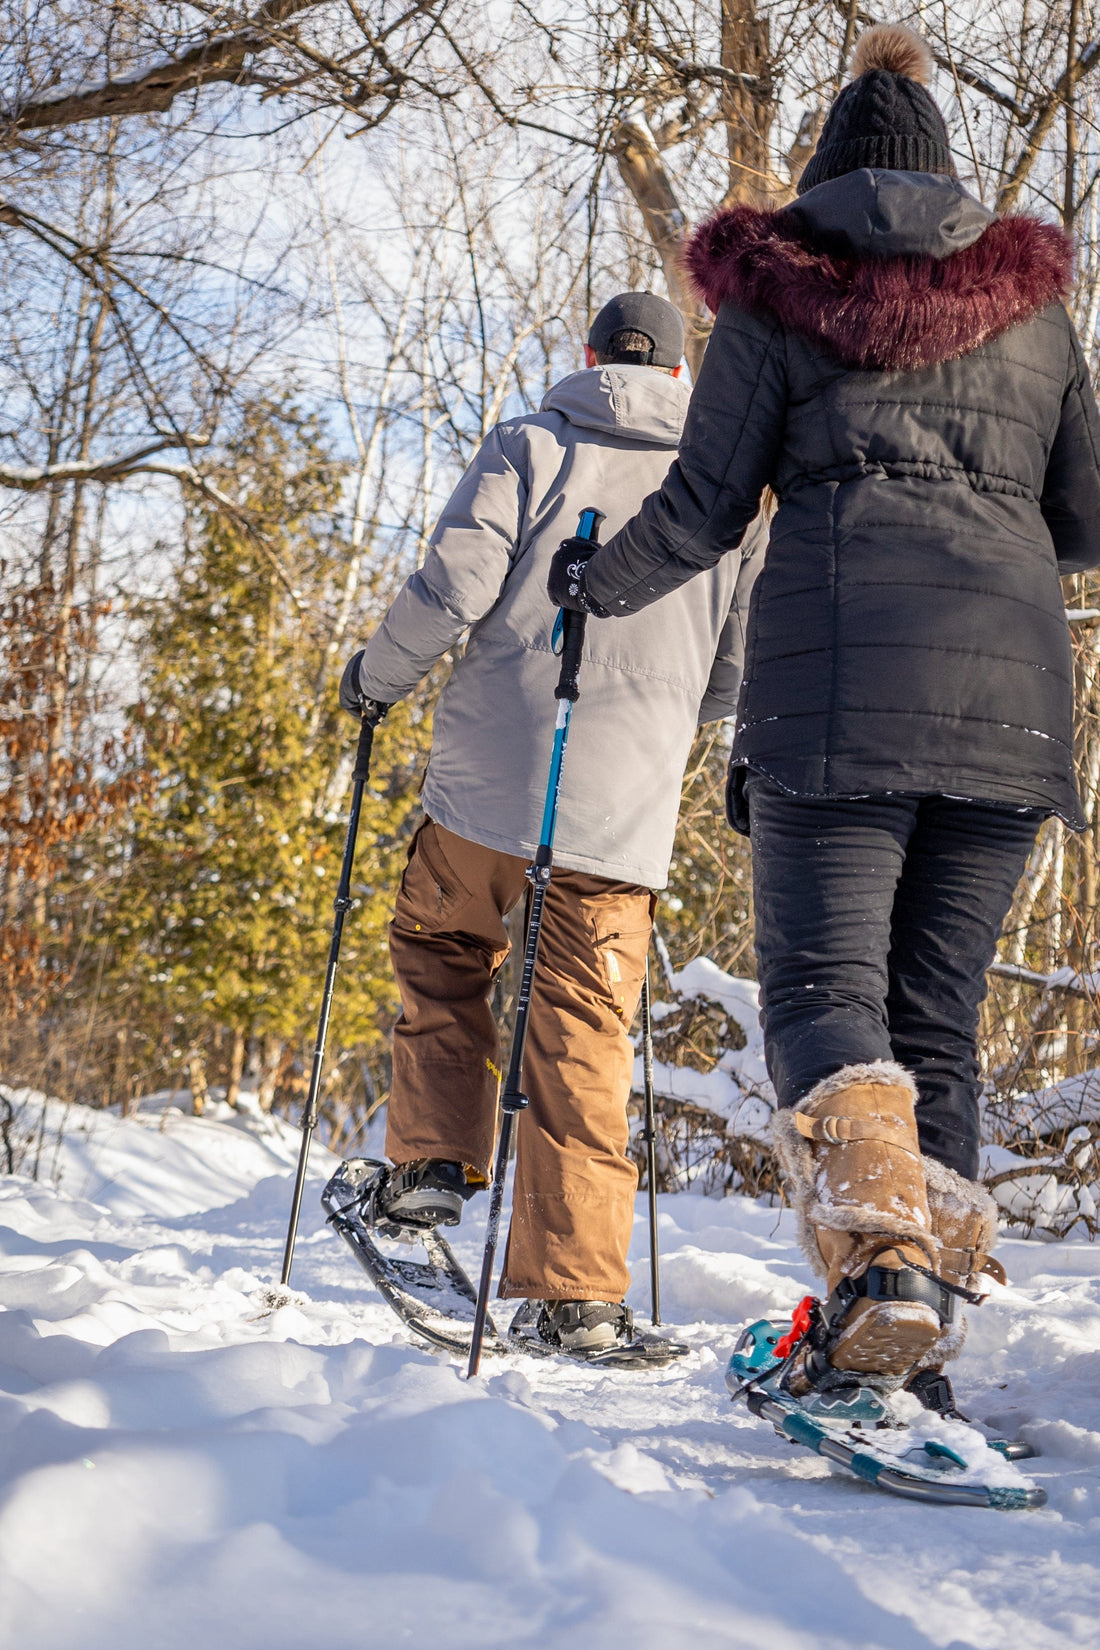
<point x="572" y="631"/>
<point x="363" y="750"/>
<point x="572" y="644"/>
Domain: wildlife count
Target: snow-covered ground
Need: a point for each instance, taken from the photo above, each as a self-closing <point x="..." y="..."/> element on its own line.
<point x="185" y="1468"/>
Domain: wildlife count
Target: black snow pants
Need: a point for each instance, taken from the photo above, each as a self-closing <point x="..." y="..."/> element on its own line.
<point x="876" y="919"/>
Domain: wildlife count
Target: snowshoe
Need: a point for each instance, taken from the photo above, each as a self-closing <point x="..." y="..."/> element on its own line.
<point x="894" y="1440"/>
<point x="591" y="1332"/>
<point x="434" y="1298"/>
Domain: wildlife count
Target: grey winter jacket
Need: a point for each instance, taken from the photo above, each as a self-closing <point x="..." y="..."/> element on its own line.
<point x="898" y="367"/>
<point x="604" y="438"/>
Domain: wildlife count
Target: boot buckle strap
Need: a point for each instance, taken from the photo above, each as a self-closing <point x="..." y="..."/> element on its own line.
<point x="962" y="1261"/>
<point x="885" y="1283"/>
<point x="406" y="1178"/>
<point x="838" y="1131"/>
<point x="967" y="1262"/>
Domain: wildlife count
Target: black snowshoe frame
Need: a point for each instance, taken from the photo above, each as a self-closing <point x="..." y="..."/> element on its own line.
<point x="434" y="1299"/>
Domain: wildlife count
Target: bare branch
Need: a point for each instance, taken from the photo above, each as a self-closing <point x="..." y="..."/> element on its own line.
<point x="188" y="476"/>
<point x="152" y="88"/>
<point x="94" y="469"/>
<point x="96" y="267"/>
<point x="969" y="77"/>
<point x="717" y="72"/>
<point x="1043" y="119"/>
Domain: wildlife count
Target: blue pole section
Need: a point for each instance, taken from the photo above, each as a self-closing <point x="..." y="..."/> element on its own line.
<point x="570" y="628"/>
<point x="553" y="791"/>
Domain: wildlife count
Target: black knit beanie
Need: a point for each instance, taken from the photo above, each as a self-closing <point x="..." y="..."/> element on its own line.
<point x="885" y="117"/>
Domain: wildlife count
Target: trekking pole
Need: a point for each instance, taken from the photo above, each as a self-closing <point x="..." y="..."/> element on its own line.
<point x="513" y="1100"/>
<point x="341" y="906"/>
<point x="650" y="1137"/>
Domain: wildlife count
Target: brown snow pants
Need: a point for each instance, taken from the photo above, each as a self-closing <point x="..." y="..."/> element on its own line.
<point x="574" y="1186"/>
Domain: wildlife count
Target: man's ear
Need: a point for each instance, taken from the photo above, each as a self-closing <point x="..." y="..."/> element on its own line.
<point x="589" y="356"/>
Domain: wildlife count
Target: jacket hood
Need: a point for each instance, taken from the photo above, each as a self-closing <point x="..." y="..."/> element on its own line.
<point x="632" y="402"/>
<point x="889" y="271"/>
<point x="884" y="214"/>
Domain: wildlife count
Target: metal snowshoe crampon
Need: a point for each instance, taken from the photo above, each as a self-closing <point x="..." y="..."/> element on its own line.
<point x="897" y="1440"/>
<point x="591" y="1332"/>
<point x="371" y="1205"/>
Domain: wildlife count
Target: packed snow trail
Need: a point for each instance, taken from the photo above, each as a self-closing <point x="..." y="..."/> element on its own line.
<point x="185" y="1467"/>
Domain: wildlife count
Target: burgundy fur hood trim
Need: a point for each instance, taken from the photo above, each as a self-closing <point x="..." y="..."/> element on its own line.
<point x="884" y="314"/>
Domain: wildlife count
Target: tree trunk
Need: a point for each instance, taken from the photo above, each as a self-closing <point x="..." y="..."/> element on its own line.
<point x="59" y="723"/>
<point x="645" y="175"/>
<point x="748" y="108"/>
<point x="748" y="105"/>
<point x="236" y="1067"/>
<point x="269" y="1070"/>
<point x="200" y="1089"/>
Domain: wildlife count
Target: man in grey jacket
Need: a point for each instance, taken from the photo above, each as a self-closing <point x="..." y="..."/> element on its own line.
<point x="604" y="437"/>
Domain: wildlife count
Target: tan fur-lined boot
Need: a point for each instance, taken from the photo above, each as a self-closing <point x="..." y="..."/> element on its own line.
<point x="964" y="1225"/>
<point x="852" y="1161"/>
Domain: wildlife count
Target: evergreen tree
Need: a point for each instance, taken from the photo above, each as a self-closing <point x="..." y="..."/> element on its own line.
<point x="227" y="899"/>
<point x="707" y="907"/>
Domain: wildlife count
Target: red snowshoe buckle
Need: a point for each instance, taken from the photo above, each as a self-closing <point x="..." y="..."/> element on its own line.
<point x="800" y="1327"/>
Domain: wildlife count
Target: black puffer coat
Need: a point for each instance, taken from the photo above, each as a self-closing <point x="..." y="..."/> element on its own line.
<point x="898" y="367"/>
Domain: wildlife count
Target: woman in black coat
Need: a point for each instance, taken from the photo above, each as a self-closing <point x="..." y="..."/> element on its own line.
<point x="898" y="366"/>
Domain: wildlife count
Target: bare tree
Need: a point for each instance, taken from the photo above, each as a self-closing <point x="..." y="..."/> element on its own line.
<point x="74" y="63"/>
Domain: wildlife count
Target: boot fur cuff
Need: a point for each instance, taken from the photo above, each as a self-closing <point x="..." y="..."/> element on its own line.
<point x="887" y="1072"/>
<point x="956" y="1198"/>
<point x="947" y="1348"/>
<point x="796" y="1163"/>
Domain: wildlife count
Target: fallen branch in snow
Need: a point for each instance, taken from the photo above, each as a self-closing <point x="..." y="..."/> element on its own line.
<point x="1063" y="979"/>
<point x="1054" y="1191"/>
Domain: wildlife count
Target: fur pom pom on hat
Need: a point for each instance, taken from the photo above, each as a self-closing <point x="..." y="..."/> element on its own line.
<point x="898" y="50"/>
<point x="885" y="117"/>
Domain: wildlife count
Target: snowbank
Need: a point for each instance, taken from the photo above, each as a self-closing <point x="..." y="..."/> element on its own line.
<point x="1054" y="1191"/>
<point x="188" y="1463"/>
<point x="736" y="1090"/>
<point x="158" y="1159"/>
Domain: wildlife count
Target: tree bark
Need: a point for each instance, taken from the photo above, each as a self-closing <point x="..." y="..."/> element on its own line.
<point x="269" y="1070"/>
<point x="236" y="1067"/>
<point x="200" y="1089"/>
<point x="747" y="103"/>
<point x="645" y="175"/>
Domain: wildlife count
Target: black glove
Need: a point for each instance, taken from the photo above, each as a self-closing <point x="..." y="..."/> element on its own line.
<point x="566" y="585"/>
<point x="352" y="697"/>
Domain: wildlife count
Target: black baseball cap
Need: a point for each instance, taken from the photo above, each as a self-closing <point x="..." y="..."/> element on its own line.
<point x="640" y="312"/>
